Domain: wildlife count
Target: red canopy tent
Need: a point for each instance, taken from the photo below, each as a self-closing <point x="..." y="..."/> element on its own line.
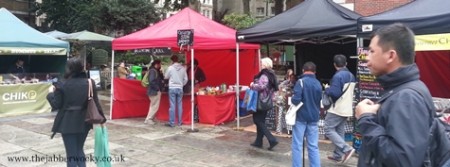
<point x="214" y="44"/>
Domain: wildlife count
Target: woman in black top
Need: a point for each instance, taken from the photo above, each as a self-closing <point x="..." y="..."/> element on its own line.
<point x="71" y="99"/>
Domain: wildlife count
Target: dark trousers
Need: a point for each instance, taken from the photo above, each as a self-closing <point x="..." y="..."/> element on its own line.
<point x="259" y="118"/>
<point x="74" y="148"/>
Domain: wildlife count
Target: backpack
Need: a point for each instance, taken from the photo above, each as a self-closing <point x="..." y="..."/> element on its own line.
<point x="438" y="152"/>
<point x="144" y="81"/>
<point x="439" y="148"/>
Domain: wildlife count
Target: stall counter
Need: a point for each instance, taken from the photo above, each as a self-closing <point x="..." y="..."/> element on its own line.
<point x="131" y="100"/>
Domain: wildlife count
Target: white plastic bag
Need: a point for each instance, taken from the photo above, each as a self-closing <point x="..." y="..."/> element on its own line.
<point x="291" y="113"/>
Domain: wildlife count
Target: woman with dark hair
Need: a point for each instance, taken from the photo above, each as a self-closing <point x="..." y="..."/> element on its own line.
<point x="71" y="99"/>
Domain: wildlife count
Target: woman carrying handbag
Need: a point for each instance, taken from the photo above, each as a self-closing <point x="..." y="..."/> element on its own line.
<point x="265" y="83"/>
<point x="70" y="121"/>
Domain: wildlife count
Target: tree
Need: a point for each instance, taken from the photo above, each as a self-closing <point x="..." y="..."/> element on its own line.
<point x="124" y="15"/>
<point x="239" y="21"/>
<point x="60" y="14"/>
<point x="101" y="16"/>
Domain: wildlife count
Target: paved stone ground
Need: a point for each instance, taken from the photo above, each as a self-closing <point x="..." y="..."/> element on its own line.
<point x="133" y="143"/>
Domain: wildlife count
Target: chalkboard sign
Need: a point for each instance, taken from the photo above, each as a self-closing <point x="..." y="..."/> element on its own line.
<point x="185" y="37"/>
<point x="368" y="88"/>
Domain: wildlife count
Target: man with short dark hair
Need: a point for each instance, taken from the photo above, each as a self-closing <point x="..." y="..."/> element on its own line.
<point x="155" y="80"/>
<point x="394" y="132"/>
<point x="308" y="91"/>
<point x="176" y="74"/>
<point x="339" y="112"/>
<point x="17" y="71"/>
<point x="199" y="76"/>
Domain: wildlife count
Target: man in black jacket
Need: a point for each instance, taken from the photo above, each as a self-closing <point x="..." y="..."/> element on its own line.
<point x="396" y="131"/>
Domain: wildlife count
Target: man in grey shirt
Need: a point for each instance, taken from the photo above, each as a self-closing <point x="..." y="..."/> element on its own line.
<point x="176" y="74"/>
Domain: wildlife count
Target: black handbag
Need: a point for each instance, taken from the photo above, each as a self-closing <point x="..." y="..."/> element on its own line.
<point x="264" y="106"/>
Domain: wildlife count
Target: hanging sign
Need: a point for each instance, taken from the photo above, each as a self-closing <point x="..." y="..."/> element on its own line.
<point x="32" y="51"/>
<point x="153" y="51"/>
<point x="185" y="37"/>
<point x="432" y="42"/>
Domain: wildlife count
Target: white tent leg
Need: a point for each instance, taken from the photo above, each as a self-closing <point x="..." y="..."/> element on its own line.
<point x="112" y="86"/>
<point x="259" y="59"/>
<point x="237" y="86"/>
<point x="192" y="90"/>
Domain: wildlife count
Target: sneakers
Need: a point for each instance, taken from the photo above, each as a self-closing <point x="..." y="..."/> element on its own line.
<point x="348" y="154"/>
<point x="168" y="125"/>
<point x="334" y="159"/>
<point x="150" y="122"/>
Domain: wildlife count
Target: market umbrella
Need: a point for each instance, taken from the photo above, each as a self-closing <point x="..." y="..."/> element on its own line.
<point x="87" y="36"/>
<point x="56" y="34"/>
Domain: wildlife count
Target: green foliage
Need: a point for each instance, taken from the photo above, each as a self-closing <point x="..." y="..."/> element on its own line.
<point x="126" y="15"/>
<point x="102" y="16"/>
<point x="61" y="13"/>
<point x="239" y="21"/>
<point x="130" y="58"/>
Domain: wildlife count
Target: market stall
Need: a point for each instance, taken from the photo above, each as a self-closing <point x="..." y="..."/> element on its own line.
<point x="432" y="49"/>
<point x="214" y="46"/>
<point x="311" y="26"/>
<point x="42" y="58"/>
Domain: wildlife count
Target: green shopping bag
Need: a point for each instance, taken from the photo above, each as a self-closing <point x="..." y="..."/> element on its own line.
<point x="101" y="147"/>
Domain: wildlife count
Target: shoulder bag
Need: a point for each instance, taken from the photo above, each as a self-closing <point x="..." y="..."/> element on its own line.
<point x="93" y="115"/>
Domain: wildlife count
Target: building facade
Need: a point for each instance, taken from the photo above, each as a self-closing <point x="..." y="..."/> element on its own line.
<point x="21" y="9"/>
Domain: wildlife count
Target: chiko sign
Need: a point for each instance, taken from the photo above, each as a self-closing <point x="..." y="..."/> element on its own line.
<point x="19" y="97"/>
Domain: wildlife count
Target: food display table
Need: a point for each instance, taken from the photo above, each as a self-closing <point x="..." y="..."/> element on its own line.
<point x="164" y="105"/>
<point x="216" y="109"/>
<point x="131" y="100"/>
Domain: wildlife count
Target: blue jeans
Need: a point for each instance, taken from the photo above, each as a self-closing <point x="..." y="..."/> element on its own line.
<point x="335" y="131"/>
<point x="175" y="98"/>
<point x="74" y="148"/>
<point x="311" y="129"/>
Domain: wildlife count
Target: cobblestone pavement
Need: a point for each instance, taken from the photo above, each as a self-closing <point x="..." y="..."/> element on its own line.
<point x="132" y="143"/>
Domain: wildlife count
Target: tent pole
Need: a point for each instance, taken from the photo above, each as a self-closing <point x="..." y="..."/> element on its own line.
<point x="237" y="86"/>
<point x="295" y="60"/>
<point x="112" y="86"/>
<point x="192" y="92"/>
<point x="259" y="59"/>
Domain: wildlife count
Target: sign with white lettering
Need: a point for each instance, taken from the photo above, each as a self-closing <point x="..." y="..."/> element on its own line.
<point x="185" y="37"/>
<point x="153" y="51"/>
<point x="23" y="99"/>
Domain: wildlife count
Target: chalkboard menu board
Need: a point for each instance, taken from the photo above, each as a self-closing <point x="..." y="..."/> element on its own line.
<point x="368" y="88"/>
<point x="185" y="37"/>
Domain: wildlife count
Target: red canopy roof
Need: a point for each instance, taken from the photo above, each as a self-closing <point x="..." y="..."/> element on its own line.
<point x="208" y="34"/>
